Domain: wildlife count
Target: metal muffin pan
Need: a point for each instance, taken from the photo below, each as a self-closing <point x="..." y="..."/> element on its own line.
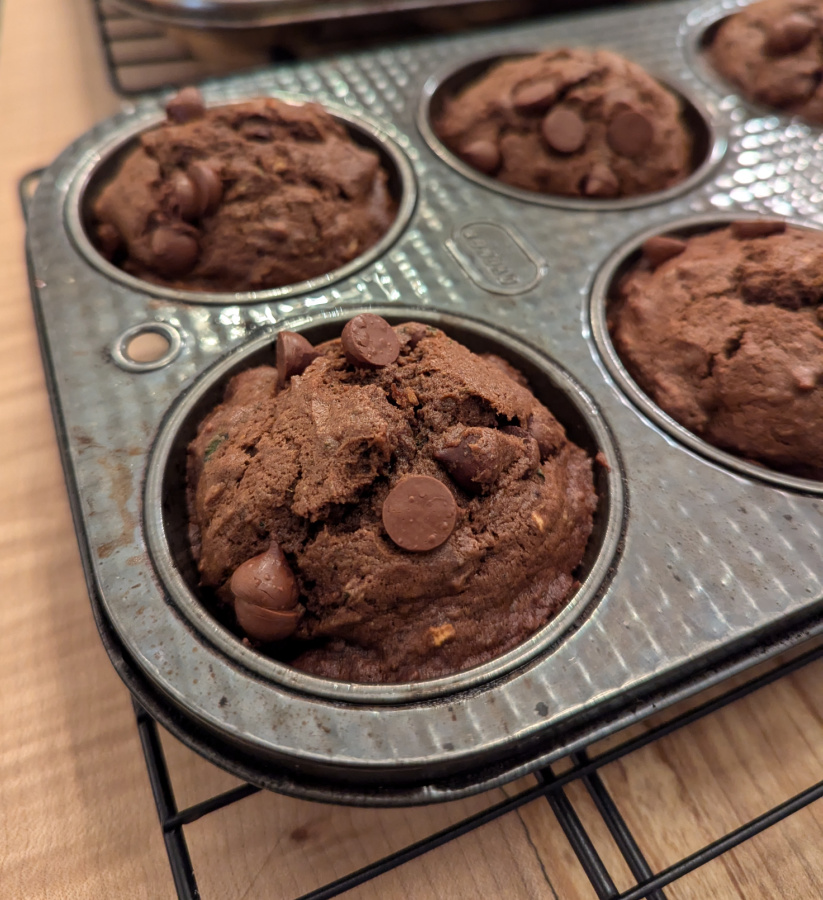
<point x="255" y="14"/>
<point x="714" y="569"/>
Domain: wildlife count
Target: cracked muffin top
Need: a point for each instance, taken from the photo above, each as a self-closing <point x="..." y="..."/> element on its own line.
<point x="387" y="506"/>
<point x="579" y="123"/>
<point x="773" y="52"/>
<point x="724" y="332"/>
<point x="243" y="197"/>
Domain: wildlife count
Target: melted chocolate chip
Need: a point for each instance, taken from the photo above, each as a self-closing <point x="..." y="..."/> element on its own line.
<point x="294" y="354"/>
<point x="548" y="434"/>
<point x="620" y="100"/>
<point x="415" y="332"/>
<point x="630" y="134"/>
<point x="419" y="513"/>
<point x="369" y="342"/>
<point x="482" y="155"/>
<point x="186" y="106"/>
<point x="473" y="463"/>
<point x="536" y="96"/>
<point x="755" y="228"/>
<point x="208" y="184"/>
<point x="108" y="240"/>
<point x="601" y="182"/>
<point x="183" y="198"/>
<point x="790" y="34"/>
<point x="659" y="249"/>
<point x="175" y="253"/>
<point x="564" y="130"/>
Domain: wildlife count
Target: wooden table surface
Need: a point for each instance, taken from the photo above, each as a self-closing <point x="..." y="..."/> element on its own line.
<point x="77" y="818"/>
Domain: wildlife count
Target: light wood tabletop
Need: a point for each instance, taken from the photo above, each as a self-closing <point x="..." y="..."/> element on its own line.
<point x="77" y="819"/>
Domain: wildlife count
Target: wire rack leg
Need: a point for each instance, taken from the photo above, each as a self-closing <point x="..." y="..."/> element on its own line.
<point x="617" y="825"/>
<point x="578" y="837"/>
<point x="178" y="852"/>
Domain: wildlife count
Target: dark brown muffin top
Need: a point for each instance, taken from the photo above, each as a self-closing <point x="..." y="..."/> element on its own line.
<point x="245" y="197"/>
<point x="579" y="123"/>
<point x="773" y="52"/>
<point x="725" y="335"/>
<point x="323" y="468"/>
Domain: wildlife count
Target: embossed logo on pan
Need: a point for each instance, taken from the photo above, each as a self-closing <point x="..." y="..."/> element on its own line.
<point x="496" y="258"/>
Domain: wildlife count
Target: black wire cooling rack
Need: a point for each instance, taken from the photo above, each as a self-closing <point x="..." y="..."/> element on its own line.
<point x="551" y="786"/>
<point x="141" y="58"/>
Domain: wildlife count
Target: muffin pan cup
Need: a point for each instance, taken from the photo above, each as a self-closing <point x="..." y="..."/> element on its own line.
<point x="703" y="569"/>
<point x="100" y="166"/>
<point x="603" y="289"/>
<point x="709" y="138"/>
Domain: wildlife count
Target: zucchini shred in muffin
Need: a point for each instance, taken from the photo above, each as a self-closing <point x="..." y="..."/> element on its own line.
<point x="387" y="506"/>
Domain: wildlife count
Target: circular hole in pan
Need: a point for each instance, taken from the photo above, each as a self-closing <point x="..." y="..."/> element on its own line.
<point x="146" y="347"/>
<point x="708" y="148"/>
<point x="99" y="168"/>
<point x="604" y="289"/>
<point x="167" y="525"/>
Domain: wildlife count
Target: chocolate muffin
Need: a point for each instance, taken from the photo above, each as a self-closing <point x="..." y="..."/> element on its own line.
<point x="723" y="331"/>
<point x="772" y="52"/>
<point x="387" y="506"/>
<point x="579" y="123"/>
<point x="245" y="197"/>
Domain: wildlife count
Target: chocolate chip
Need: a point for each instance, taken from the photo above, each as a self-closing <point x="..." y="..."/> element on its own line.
<point x="266" y="596"/>
<point x="660" y="248"/>
<point x="474" y="462"/>
<point x="257" y="128"/>
<point x="266" y="624"/>
<point x="108" y="240"/>
<point x="790" y="34"/>
<point x="419" y="513"/>
<point x="175" y="253"/>
<point x="415" y="332"/>
<point x="186" y="106"/>
<point x="620" y="100"/>
<point x="266" y="580"/>
<point x="209" y="186"/>
<point x="601" y="182"/>
<point x="755" y="228"/>
<point x="630" y="134"/>
<point x="294" y="354"/>
<point x="564" y="130"/>
<point x="369" y="341"/>
<point x="183" y="197"/>
<point x="482" y="155"/>
<point x="547" y="432"/>
<point x="536" y="96"/>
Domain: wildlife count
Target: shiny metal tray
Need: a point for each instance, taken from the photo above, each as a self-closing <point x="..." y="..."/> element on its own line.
<point x="705" y="565"/>
<point x="243" y="14"/>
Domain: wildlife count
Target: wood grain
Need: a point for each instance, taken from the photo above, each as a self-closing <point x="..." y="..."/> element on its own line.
<point x="77" y="817"/>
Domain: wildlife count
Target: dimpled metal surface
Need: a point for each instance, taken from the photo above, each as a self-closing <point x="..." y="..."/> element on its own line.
<point x="711" y="561"/>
